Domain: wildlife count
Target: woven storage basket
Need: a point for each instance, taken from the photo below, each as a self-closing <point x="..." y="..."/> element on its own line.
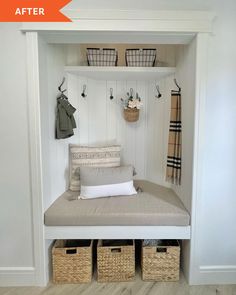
<point x="115" y="261"/>
<point x="106" y="57"/>
<point x="131" y="115"/>
<point x="140" y="57"/>
<point x="161" y="263"/>
<point x="72" y="261"/>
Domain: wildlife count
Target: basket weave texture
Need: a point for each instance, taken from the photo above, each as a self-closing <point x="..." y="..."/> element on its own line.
<point x="160" y="263"/>
<point x="131" y="115"/>
<point x="115" y="263"/>
<point x="72" y="264"/>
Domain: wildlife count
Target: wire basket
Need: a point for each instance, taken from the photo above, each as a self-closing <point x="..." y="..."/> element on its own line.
<point x="105" y="57"/>
<point x="161" y="260"/>
<point x="140" y="57"/>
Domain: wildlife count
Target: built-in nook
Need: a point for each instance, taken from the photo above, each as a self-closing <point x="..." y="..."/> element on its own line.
<point x="100" y="120"/>
<point x="60" y="51"/>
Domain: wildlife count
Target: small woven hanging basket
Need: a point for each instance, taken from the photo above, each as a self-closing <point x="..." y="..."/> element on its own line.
<point x="131" y="115"/>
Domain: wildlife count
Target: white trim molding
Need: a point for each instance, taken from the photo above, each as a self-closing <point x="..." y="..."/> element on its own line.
<point x="199" y="124"/>
<point x="117" y="232"/>
<point x="129" y="20"/>
<point x="35" y="156"/>
<point x="17" y="276"/>
<point x="213" y="274"/>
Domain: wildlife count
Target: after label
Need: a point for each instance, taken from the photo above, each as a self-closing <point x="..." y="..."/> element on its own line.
<point x="29" y="11"/>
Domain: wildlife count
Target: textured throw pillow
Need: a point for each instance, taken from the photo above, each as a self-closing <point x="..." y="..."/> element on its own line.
<point x="80" y="156"/>
<point x="106" y="182"/>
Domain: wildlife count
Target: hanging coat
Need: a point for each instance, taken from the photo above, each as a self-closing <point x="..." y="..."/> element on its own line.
<point x="65" y="122"/>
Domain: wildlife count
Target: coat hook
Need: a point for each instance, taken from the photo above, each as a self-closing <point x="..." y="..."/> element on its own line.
<point x="59" y="87"/>
<point x="159" y="95"/>
<point x="179" y="88"/>
<point x="83" y="94"/>
<point x="111" y="93"/>
<point x="131" y="92"/>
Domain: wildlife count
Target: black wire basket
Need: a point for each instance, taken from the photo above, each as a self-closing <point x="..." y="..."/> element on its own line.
<point x="140" y="57"/>
<point x="106" y="57"/>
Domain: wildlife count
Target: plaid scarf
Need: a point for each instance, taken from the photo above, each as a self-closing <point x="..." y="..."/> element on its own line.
<point x="173" y="171"/>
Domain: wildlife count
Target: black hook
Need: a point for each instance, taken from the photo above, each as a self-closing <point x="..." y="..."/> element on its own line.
<point x="131" y="93"/>
<point x="159" y="95"/>
<point x="59" y="87"/>
<point x="179" y="88"/>
<point x="83" y="94"/>
<point x="111" y="93"/>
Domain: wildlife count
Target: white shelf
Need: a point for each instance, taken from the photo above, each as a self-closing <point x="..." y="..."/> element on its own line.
<point x="121" y="73"/>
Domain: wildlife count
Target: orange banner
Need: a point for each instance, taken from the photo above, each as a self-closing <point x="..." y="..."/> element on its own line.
<point x="33" y="11"/>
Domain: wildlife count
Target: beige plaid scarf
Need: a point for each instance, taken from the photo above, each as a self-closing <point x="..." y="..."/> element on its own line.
<point x="173" y="170"/>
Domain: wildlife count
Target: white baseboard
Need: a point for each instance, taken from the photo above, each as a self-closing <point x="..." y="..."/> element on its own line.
<point x="17" y="276"/>
<point x="215" y="275"/>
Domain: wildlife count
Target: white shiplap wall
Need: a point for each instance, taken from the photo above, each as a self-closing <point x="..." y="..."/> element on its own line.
<point x="54" y="152"/>
<point x="100" y="121"/>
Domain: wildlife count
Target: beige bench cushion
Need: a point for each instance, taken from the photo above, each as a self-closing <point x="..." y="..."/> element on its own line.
<point x="155" y="205"/>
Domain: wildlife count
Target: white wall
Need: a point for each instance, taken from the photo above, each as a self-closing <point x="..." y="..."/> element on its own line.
<point x="217" y="239"/>
<point x="185" y="74"/>
<point x="16" y="247"/>
<point x="52" y="59"/>
<point x="100" y="120"/>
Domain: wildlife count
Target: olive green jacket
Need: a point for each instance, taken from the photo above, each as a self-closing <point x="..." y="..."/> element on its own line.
<point x="65" y="122"/>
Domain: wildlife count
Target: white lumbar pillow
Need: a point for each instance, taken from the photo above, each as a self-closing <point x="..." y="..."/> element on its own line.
<point x="107" y="190"/>
<point x="106" y="182"/>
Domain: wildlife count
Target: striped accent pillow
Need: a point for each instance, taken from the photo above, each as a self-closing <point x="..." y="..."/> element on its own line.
<point x="80" y="156"/>
<point x="106" y="182"/>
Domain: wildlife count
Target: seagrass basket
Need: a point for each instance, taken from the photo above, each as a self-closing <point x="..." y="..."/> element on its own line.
<point x="72" y="261"/>
<point x="115" y="261"/>
<point x="161" y="262"/>
<point x="131" y="115"/>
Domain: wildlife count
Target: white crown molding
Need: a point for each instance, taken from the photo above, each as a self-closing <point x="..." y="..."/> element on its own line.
<point x="129" y="20"/>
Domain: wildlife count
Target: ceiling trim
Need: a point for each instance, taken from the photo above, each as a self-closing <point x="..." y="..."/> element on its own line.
<point x="128" y="20"/>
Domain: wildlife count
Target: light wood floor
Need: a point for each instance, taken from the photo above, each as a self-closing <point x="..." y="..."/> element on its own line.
<point x="138" y="287"/>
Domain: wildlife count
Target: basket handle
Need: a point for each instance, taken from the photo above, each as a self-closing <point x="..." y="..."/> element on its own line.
<point x="115" y="250"/>
<point x="161" y="250"/>
<point x="71" y="251"/>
